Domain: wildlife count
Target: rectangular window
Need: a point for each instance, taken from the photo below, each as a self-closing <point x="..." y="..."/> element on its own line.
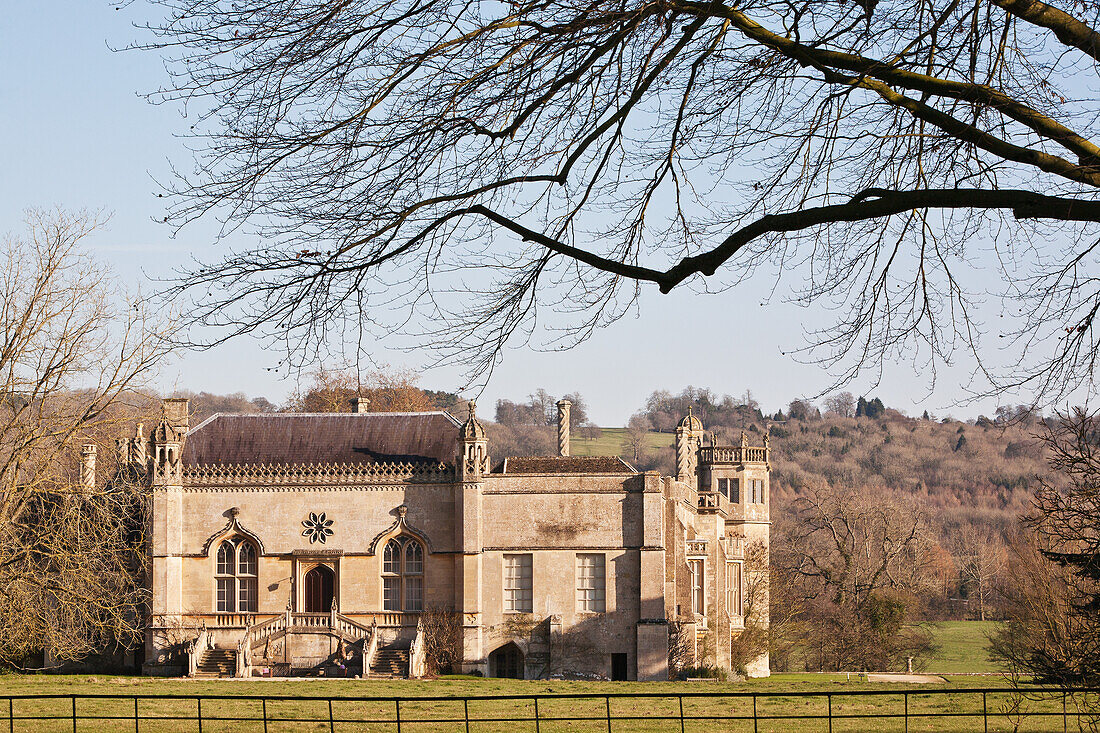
<point x="698" y="603"/>
<point x="225" y="595"/>
<point x="414" y="593"/>
<point x="756" y="486"/>
<point x="248" y="595"/>
<point x="730" y="488"/>
<point x="733" y="589"/>
<point x="517" y="584"/>
<point x="391" y="594"/>
<point x="590" y="583"/>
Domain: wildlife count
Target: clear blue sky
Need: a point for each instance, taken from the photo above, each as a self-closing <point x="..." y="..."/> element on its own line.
<point x="77" y="135"/>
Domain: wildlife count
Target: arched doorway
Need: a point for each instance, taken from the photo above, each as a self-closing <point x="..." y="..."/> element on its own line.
<point x="319" y="589"/>
<point x="507" y="661"/>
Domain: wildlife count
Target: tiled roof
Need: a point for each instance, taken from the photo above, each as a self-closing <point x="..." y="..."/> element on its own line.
<point x="565" y="464"/>
<point x="376" y="437"/>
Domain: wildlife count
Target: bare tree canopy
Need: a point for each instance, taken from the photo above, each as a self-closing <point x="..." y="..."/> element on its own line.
<point x="550" y="153"/>
<point x="71" y="544"/>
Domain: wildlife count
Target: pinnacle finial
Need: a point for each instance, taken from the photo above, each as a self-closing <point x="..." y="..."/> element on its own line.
<point x="473" y="408"/>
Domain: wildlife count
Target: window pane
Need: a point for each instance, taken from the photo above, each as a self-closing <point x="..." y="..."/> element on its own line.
<point x="391" y="558"/>
<point x="248" y="595"/>
<point x="735" y="490"/>
<point x="414" y="558"/>
<point x="590" y="583"/>
<point x="733" y="588"/>
<point x="225" y="594"/>
<point x="247" y="564"/>
<point x="414" y="593"/>
<point x="391" y="594"/>
<point x="697" y="601"/>
<point x="225" y="558"/>
<point x="517" y="584"/>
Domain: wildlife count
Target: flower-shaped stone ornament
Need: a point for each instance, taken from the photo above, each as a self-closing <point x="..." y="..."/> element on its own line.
<point x="317" y="528"/>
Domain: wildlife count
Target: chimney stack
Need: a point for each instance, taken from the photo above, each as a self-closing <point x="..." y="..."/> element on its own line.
<point x="87" y="467"/>
<point x="360" y="405"/>
<point x="563" y="427"/>
<point x="177" y="411"/>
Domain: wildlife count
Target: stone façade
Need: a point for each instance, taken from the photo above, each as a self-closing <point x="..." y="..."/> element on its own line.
<point x="556" y="565"/>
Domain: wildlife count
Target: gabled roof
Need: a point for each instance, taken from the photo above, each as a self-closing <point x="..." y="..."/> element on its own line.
<point x="295" y="438"/>
<point x="565" y="464"/>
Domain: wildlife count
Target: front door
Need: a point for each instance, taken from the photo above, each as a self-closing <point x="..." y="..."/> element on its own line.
<point x="319" y="590"/>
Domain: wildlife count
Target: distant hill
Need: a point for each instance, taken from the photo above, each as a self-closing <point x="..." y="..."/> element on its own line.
<point x="969" y="473"/>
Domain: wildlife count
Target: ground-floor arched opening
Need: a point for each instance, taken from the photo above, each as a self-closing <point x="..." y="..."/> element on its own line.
<point x="506" y="661"/>
<point x="320" y="589"/>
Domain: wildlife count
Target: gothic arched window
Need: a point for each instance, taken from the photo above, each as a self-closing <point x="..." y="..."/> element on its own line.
<point x="403" y="575"/>
<point x="236" y="574"/>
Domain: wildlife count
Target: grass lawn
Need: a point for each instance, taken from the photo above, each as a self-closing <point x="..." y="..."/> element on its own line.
<point x="641" y="714"/>
<point x="613" y="442"/>
<point x="963" y="647"/>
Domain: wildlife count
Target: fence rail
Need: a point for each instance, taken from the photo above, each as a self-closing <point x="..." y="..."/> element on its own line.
<point x="986" y="709"/>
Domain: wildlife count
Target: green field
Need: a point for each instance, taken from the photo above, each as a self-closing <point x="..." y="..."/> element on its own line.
<point x="963" y="647"/>
<point x="613" y="442"/>
<point x="641" y="714"/>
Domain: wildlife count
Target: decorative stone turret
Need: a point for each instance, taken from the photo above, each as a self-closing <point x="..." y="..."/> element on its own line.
<point x="167" y="442"/>
<point x="563" y="427"/>
<point x="689" y="435"/>
<point x="87" y="467"/>
<point x="473" y="452"/>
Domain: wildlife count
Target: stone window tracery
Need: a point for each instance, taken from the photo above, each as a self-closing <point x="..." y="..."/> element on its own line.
<point x="236" y="574"/>
<point x="403" y="575"/>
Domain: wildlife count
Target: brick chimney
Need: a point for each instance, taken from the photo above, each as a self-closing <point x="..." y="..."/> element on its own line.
<point x="360" y="405"/>
<point x="563" y="427"/>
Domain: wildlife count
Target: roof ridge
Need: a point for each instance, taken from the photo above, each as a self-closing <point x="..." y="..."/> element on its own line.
<point x="330" y="414"/>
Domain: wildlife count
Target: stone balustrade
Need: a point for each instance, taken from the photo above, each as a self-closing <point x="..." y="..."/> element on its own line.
<point x="326" y="474"/>
<point x="735" y="454"/>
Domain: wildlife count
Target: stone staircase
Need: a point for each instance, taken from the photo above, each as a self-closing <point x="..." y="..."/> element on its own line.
<point x="217" y="663"/>
<point x="389" y="662"/>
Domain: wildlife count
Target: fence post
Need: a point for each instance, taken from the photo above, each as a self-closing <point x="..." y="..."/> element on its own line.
<point x="536" y="715"/>
<point x="74" y="713"/>
<point x="829" y="697"/>
<point x="136" y="715"/>
<point x="1065" y="720"/>
<point x="755" y="718"/>
<point x="466" y="712"/>
<point x="331" y="723"/>
<point x="264" y="701"/>
<point x="681" y="714"/>
<point x="906" y="712"/>
<point x="11" y="716"/>
<point x="607" y="701"/>
<point x="397" y="703"/>
<point x="985" y="713"/>
<point x="198" y="701"/>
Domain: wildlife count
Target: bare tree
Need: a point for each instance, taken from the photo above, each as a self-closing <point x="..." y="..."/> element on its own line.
<point x="385" y="389"/>
<point x="981" y="557"/>
<point x="842" y="404"/>
<point x="637" y="430"/>
<point x="858" y="559"/>
<point x="71" y="543"/>
<point x="442" y="627"/>
<point x="562" y="155"/>
<point x="1053" y="628"/>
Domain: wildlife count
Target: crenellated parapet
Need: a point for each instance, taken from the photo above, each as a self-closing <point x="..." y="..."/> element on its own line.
<point x="317" y="474"/>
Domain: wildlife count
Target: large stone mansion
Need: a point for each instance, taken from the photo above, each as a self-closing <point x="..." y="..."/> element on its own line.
<point x="324" y="543"/>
